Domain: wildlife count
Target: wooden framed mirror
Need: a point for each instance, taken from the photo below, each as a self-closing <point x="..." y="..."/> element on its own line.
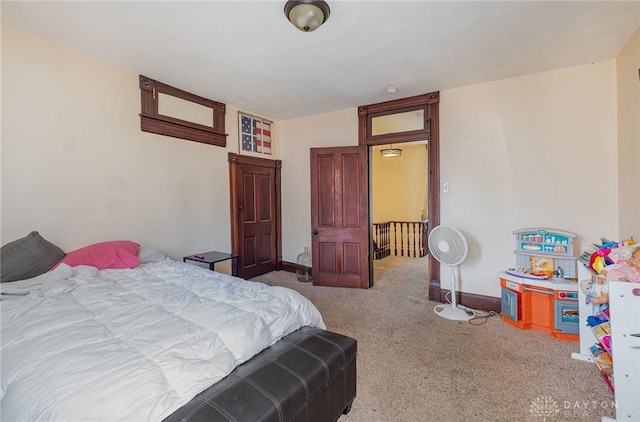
<point x="166" y="110"/>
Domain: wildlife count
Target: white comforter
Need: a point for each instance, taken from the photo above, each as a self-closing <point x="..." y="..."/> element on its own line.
<point x="133" y="345"/>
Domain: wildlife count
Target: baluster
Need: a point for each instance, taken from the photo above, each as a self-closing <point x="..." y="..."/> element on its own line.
<point x="395" y="240"/>
<point x="381" y="244"/>
<point x="413" y="244"/>
<point x="417" y="234"/>
<point x="421" y="234"/>
<point x="387" y="240"/>
<point x="405" y="244"/>
<point x="408" y="243"/>
<point x="379" y="233"/>
<point x="398" y="234"/>
<point x="402" y="247"/>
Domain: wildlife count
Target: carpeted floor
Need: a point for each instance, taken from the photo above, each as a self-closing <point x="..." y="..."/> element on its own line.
<point x="415" y="366"/>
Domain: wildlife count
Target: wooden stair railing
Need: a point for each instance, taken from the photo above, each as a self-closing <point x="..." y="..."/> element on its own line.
<point x="403" y="238"/>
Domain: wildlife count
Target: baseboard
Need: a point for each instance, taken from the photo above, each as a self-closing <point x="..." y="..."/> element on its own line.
<point x="288" y="266"/>
<point x="471" y="300"/>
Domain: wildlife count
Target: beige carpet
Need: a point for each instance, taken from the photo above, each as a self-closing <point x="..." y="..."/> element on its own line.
<point x="416" y="366"/>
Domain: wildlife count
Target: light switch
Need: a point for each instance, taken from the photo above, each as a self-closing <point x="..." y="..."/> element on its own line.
<point x="445" y="187"/>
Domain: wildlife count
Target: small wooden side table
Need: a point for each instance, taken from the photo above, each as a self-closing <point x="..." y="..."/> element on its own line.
<point x="211" y="258"/>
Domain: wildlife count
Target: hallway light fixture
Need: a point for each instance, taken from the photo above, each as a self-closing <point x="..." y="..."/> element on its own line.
<point x="391" y="152"/>
<point x="307" y="15"/>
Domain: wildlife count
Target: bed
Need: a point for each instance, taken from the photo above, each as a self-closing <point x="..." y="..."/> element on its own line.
<point x="166" y="340"/>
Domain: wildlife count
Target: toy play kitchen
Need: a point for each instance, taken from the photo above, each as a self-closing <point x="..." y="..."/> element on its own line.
<point x="541" y="292"/>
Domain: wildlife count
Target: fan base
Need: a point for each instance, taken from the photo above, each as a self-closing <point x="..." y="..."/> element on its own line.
<point x="449" y="312"/>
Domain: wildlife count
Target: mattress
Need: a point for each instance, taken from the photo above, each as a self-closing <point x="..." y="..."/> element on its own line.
<point x="134" y="344"/>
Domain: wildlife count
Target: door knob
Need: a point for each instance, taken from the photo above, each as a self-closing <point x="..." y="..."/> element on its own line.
<point x="315" y="232"/>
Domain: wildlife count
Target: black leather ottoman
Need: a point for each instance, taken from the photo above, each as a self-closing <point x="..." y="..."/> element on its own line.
<point x="307" y="376"/>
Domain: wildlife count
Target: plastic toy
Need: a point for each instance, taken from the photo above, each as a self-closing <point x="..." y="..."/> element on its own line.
<point x="602" y="256"/>
<point x="599" y="318"/>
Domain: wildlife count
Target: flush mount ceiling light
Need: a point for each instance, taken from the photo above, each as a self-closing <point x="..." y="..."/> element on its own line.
<point x="391" y="152"/>
<point x="306" y="15"/>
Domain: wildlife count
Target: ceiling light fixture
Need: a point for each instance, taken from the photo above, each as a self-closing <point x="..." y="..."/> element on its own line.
<point x="306" y="15"/>
<point x="391" y="152"/>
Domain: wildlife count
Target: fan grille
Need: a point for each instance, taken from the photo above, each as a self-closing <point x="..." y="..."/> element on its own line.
<point x="448" y="245"/>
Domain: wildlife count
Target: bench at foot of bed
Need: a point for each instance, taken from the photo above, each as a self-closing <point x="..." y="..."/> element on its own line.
<point x="307" y="376"/>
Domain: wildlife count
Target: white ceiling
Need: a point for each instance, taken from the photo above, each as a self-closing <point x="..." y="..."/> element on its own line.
<point x="245" y="53"/>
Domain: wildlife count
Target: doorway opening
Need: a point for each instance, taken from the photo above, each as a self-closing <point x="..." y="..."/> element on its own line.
<point x="399" y="188"/>
<point x="404" y="121"/>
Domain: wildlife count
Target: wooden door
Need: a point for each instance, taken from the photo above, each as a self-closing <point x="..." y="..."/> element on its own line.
<point x="340" y="217"/>
<point x="255" y="214"/>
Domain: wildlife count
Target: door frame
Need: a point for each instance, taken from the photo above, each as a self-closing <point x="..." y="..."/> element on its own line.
<point x="430" y="104"/>
<point x="235" y="163"/>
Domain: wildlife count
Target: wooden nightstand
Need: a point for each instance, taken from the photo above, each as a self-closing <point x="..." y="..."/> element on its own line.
<point x="213" y="257"/>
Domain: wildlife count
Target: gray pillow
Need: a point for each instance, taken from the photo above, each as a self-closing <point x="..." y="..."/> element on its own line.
<point x="28" y="257"/>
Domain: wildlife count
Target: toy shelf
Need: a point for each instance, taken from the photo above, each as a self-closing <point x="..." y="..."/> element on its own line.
<point x="624" y="302"/>
<point x="601" y="352"/>
<point x="587" y="337"/>
<point x="604" y="362"/>
<point x="624" y="347"/>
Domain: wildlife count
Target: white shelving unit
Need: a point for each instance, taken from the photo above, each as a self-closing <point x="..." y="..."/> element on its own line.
<point x="587" y="339"/>
<point x="624" y="306"/>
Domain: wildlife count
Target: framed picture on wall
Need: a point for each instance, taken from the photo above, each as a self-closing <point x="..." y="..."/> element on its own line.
<point x="254" y="135"/>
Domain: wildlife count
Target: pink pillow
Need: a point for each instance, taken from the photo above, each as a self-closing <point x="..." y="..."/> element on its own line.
<point x="116" y="254"/>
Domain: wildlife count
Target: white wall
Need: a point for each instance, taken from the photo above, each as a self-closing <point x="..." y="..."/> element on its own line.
<point x="628" y="77"/>
<point x="297" y="137"/>
<point x="540" y="150"/>
<point x="523" y="152"/>
<point x="534" y="151"/>
<point x="77" y="167"/>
